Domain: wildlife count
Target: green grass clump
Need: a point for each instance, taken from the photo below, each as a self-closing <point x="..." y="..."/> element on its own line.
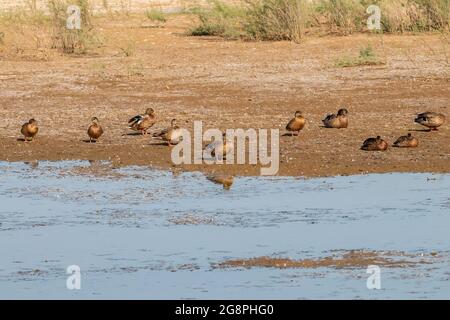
<point x="366" y="57"/>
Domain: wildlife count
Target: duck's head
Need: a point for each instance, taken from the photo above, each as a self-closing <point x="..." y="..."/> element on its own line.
<point x="342" y="112"/>
<point x="298" y="114"/>
<point x="378" y="137"/>
<point x="409" y="135"/>
<point x="149" y="111"/>
<point x="32" y="121"/>
<point x="173" y="123"/>
<point x="94" y="120"/>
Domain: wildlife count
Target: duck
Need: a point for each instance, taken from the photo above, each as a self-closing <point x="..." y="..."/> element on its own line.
<point x="95" y="130"/>
<point x="224" y="145"/>
<point x="407" y="141"/>
<point x="143" y="122"/>
<point x="431" y="120"/>
<point x="30" y="130"/>
<point x="296" y="124"/>
<point x="225" y="180"/>
<point x="374" y="144"/>
<point x="339" y="120"/>
<point x="171" y="135"/>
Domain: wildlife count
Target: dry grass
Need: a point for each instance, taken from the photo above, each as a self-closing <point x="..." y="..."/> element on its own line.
<point x="71" y="41"/>
<point x="33" y="33"/>
<point x="291" y="19"/>
<point x="156" y="16"/>
<point x="277" y="19"/>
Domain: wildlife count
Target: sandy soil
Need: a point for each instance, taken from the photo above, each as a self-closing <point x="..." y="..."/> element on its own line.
<point x="229" y="84"/>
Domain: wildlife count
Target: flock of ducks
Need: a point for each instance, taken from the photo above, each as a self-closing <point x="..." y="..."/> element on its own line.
<point x="172" y="135"/>
<point x="141" y="123"/>
<point x="431" y="120"/>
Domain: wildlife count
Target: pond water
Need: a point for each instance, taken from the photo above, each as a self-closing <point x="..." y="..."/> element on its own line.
<point x="138" y="233"/>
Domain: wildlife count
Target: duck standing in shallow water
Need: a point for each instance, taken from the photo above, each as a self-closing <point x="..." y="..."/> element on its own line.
<point x="407" y="141"/>
<point x="339" y="120"/>
<point x="296" y="124"/>
<point x="374" y="144"/>
<point x="29" y="130"/>
<point x="431" y="120"/>
<point x="143" y="122"/>
<point x="95" y="130"/>
<point x="171" y="135"/>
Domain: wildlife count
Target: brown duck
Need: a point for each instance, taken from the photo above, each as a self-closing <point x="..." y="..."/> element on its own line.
<point x="296" y="124"/>
<point x="171" y="135"/>
<point x="339" y="120"/>
<point x="143" y="122"/>
<point x="95" y="130"/>
<point x="407" y="141"/>
<point x="431" y="120"/>
<point x="30" y="130"/>
<point x="374" y="144"/>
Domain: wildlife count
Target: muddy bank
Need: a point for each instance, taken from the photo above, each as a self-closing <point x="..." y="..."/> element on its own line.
<point x="299" y="163"/>
<point x="350" y="259"/>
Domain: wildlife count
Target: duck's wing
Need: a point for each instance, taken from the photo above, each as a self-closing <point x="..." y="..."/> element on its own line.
<point x="401" y="140"/>
<point x="329" y="117"/>
<point x="135" y="120"/>
<point x="426" y="116"/>
<point x="161" y="133"/>
<point x="328" y="121"/>
<point x="290" y="124"/>
<point x="421" y="118"/>
<point x="24" y="128"/>
<point x="294" y="125"/>
<point x="369" y="144"/>
<point x="369" y="141"/>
